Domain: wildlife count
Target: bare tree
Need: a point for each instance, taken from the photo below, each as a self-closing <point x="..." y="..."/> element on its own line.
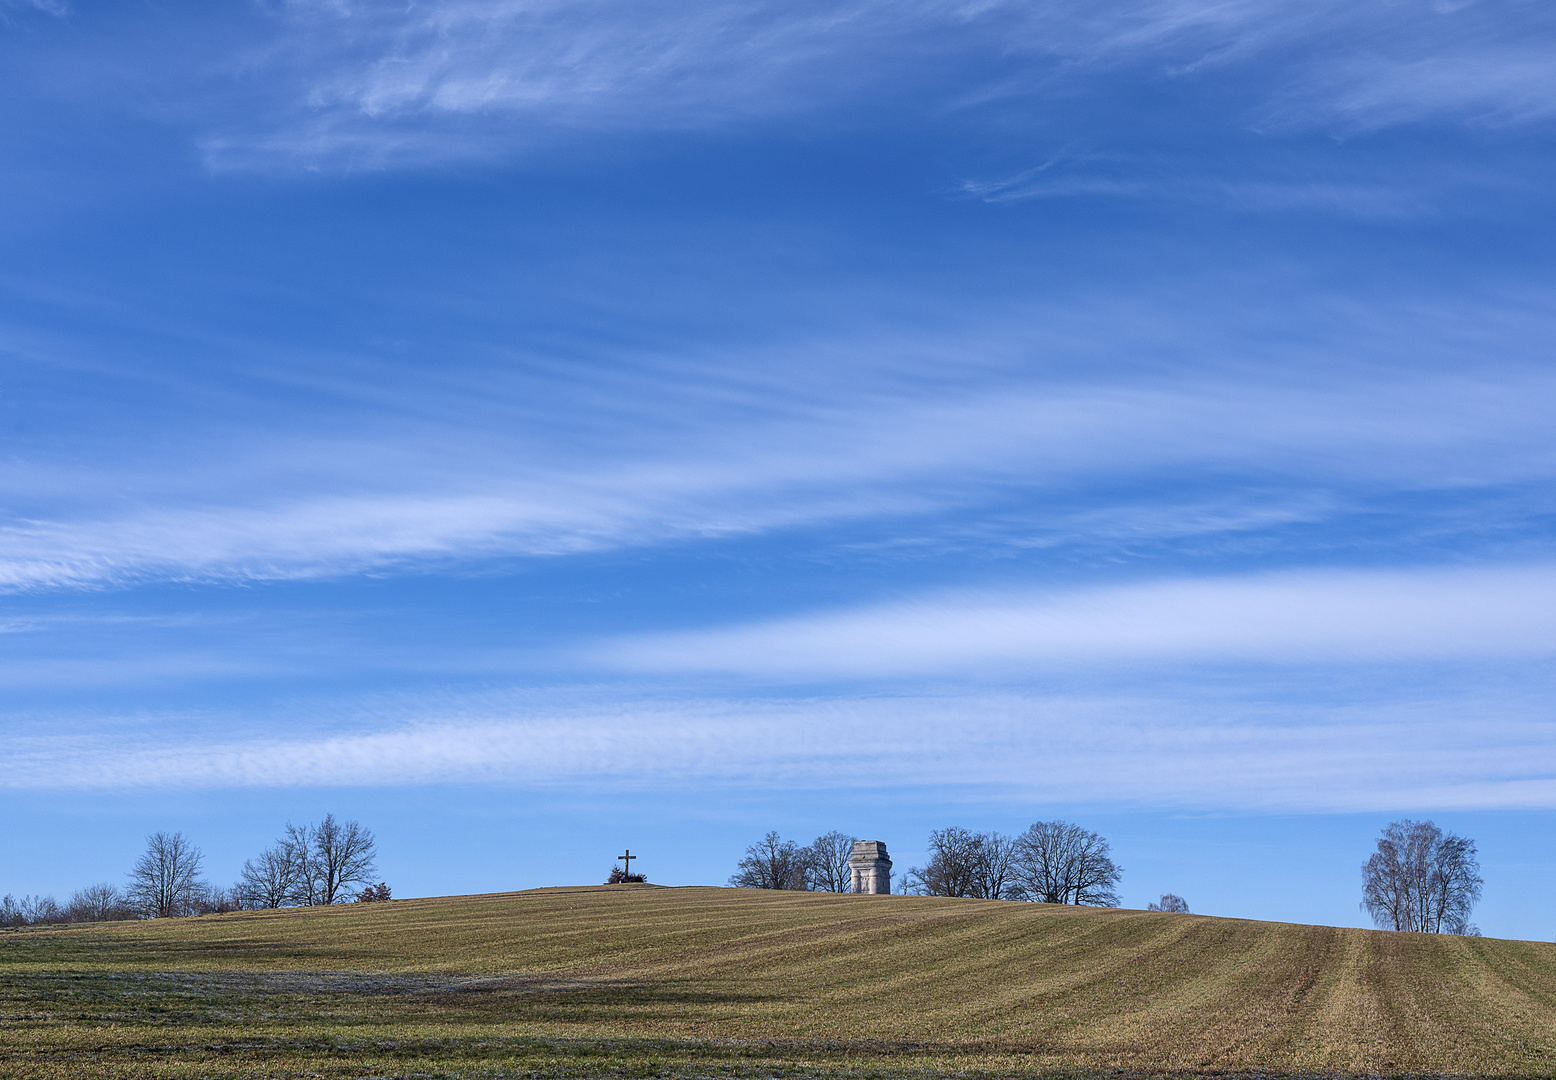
<point x="1421" y="879"/>
<point x="772" y="863"/>
<point x="1456" y="885"/>
<point x="949" y="872"/>
<point x="964" y="863"/>
<point x="342" y="855"/>
<point x="995" y="871"/>
<point x="1170" y="902"/>
<point x="311" y="865"/>
<point x="298" y="840"/>
<point x="1060" y="863"/>
<point x="99" y="903"/>
<point x="827" y="860"/>
<point x="164" y="880"/>
<point x="272" y="878"/>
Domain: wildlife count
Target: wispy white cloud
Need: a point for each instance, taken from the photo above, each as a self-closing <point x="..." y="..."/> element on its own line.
<point x="1202" y="751"/>
<point x="1359" y="64"/>
<point x="57" y="8"/>
<point x="380" y="83"/>
<point x="878" y="433"/>
<point x="1494" y="86"/>
<point x="371" y="84"/>
<point x="1292" y="618"/>
<point x="1132" y="181"/>
<point x="881" y="458"/>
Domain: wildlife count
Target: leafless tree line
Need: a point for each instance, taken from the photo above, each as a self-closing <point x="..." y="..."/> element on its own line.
<point x="164" y="882"/>
<point x="308" y="865"/>
<point x="963" y="863"/>
<point x="1052" y="862"/>
<point x="776" y="863"/>
<point x="1422" y="879"/>
<point x="96" y="903"/>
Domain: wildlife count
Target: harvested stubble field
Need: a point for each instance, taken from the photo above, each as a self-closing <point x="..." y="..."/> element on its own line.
<point x="645" y="981"/>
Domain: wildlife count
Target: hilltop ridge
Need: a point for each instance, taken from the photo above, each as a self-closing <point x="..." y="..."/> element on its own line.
<point x="1003" y="985"/>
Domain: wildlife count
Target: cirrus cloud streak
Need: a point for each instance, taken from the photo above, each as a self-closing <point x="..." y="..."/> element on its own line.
<point x="1201" y="751"/>
<point x="1285" y="618"/>
<point x="877" y="451"/>
<point x="371" y="84"/>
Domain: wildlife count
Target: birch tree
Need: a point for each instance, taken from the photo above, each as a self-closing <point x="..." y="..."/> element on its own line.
<point x="1421" y="879"/>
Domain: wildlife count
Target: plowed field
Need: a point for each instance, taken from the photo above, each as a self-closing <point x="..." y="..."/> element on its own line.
<point x="638" y="980"/>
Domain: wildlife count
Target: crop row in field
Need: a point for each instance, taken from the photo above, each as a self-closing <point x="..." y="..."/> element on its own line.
<point x="704" y="981"/>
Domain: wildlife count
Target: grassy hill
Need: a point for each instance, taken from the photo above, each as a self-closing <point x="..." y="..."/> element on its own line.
<point x="639" y="980"/>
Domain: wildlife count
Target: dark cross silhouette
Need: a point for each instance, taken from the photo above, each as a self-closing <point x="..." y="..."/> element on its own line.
<point x="626" y="862"/>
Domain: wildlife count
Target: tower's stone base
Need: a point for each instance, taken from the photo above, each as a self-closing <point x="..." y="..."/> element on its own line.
<point x="871" y="868"/>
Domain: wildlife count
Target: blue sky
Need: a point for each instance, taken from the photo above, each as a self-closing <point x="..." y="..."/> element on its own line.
<point x="539" y="427"/>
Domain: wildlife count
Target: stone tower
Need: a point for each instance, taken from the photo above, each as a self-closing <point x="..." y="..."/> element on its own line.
<point x="871" y="868"/>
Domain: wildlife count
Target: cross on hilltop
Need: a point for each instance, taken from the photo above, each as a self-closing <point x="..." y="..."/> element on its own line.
<point x="623" y="875"/>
